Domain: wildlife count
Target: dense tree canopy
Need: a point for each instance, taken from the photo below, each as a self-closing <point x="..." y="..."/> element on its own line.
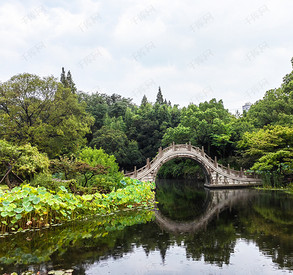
<point x="207" y="124"/>
<point x="59" y="120"/>
<point x="42" y="112"/>
<point x="269" y="149"/>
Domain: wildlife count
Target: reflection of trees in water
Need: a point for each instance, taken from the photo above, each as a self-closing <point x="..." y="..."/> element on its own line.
<point x="269" y="222"/>
<point x="181" y="199"/>
<point x="87" y="242"/>
<point x="215" y="244"/>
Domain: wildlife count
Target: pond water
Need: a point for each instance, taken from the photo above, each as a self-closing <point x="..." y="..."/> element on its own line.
<point x="192" y="231"/>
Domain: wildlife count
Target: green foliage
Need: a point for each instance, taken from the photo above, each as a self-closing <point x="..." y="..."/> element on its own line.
<point x="130" y="133"/>
<point x="42" y="112"/>
<point x="148" y="123"/>
<point x="97" y="157"/>
<point x="77" y="170"/>
<point x="22" y="161"/>
<point x="269" y="150"/>
<point x="53" y="184"/>
<point x="92" y="169"/>
<point x="209" y="125"/>
<point x="67" y="81"/>
<point x="181" y="168"/>
<point x="160" y="99"/>
<point x="275" y="108"/>
<point x="27" y="207"/>
<point x="115" y="142"/>
<point x="179" y="135"/>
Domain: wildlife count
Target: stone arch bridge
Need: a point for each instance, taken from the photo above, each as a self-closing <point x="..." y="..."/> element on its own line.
<point x="216" y="175"/>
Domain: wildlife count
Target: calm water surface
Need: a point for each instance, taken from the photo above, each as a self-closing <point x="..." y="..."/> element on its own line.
<point x="192" y="231"/>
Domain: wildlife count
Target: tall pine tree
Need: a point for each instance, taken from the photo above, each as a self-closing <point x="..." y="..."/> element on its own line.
<point x="67" y="81"/>
<point x="70" y="83"/>
<point x="63" y="78"/>
<point x="144" y="101"/>
<point x="160" y="99"/>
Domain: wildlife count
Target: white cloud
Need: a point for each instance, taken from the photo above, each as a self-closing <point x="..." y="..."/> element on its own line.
<point x="193" y="50"/>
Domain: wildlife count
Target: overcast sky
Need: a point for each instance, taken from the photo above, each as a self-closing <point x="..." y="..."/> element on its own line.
<point x="194" y="50"/>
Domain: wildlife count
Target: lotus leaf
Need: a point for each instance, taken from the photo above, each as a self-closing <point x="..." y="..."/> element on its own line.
<point x="5" y="203"/>
<point x="36" y="200"/>
<point x="87" y="197"/>
<point x="42" y="190"/>
<point x="25" y="200"/>
<point x="32" y="197"/>
<point x="9" y="208"/>
<point x="62" y="188"/>
<point x="29" y="208"/>
<point x="11" y="214"/>
<point x="38" y="206"/>
<point x="4" y="214"/>
<point x="18" y="216"/>
<point x="18" y="210"/>
<point x="26" y="204"/>
<point x="16" y="189"/>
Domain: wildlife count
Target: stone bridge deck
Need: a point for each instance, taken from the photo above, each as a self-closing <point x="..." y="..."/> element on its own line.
<point x="216" y="175"/>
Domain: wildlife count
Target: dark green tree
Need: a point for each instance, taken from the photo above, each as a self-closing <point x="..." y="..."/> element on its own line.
<point x="115" y="142"/>
<point x="42" y="112"/>
<point x="160" y="99"/>
<point x="269" y="149"/>
<point x="70" y="82"/>
<point x="144" y="100"/>
<point x="209" y="124"/>
<point x="63" y="78"/>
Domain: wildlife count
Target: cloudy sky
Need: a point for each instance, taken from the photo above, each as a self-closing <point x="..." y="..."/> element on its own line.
<point x="194" y="50"/>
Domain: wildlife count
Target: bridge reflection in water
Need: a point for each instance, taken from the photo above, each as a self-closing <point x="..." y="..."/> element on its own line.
<point x="186" y="206"/>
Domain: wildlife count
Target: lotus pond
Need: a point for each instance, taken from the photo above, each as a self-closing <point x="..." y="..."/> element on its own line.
<point x="192" y="231"/>
<point x="29" y="207"/>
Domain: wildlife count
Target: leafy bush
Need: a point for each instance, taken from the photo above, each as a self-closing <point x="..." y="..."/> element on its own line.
<point x="21" y="163"/>
<point x="97" y="157"/>
<point x="93" y="170"/>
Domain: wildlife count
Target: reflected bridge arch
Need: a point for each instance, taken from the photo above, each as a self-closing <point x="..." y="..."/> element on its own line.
<point x="220" y="200"/>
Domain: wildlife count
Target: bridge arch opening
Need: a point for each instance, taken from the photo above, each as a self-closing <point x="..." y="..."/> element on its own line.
<point x="186" y="167"/>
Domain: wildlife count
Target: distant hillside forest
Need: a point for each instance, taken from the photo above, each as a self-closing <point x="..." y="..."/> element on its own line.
<point x="59" y="119"/>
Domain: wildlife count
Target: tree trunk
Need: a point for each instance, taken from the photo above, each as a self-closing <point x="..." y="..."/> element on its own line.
<point x="9" y="184"/>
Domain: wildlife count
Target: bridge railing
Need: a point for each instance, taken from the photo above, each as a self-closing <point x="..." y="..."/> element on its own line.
<point x="159" y="155"/>
<point x="225" y="168"/>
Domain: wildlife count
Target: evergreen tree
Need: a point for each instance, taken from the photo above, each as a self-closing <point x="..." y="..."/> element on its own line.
<point x="144" y="101"/>
<point x="67" y="81"/>
<point x="63" y="78"/>
<point x="70" y="83"/>
<point x="160" y="99"/>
